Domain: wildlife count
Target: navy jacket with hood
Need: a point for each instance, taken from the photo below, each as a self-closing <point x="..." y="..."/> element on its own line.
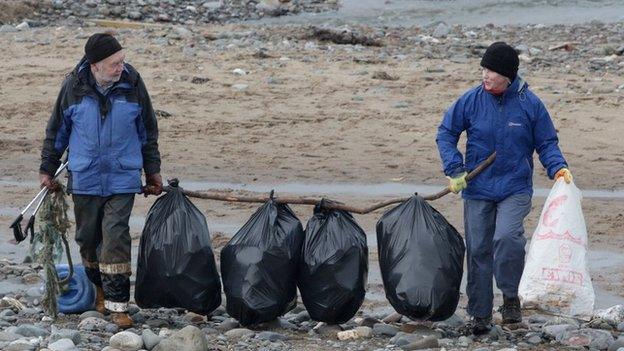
<point x="514" y="125"/>
<point x="110" y="138"/>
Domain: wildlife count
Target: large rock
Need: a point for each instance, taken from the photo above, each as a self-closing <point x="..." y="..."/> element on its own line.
<point x="557" y="331"/>
<point x="150" y="340"/>
<point x="189" y="338"/>
<point x="592" y="338"/>
<point x="62" y="345"/>
<point x="613" y="315"/>
<point x="31" y="330"/>
<point x="126" y="341"/>
<point x="71" y="334"/>
<point x="239" y="333"/>
<point x="92" y="324"/>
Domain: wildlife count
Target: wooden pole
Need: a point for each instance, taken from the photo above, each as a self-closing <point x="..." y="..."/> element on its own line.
<point x="328" y="204"/>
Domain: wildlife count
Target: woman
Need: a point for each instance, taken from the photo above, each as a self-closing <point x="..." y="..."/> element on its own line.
<point x="500" y="115"/>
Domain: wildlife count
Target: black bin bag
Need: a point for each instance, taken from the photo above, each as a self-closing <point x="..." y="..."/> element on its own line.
<point x="421" y="257"/>
<point x="334" y="266"/>
<point x="176" y="265"/>
<point x="259" y="265"/>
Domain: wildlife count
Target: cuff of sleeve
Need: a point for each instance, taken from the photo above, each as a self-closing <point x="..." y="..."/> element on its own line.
<point x="457" y="172"/>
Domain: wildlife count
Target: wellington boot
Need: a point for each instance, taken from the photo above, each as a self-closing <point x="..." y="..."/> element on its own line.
<point x="122" y="320"/>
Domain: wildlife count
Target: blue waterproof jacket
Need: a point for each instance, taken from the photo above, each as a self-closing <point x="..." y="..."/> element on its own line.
<point x="514" y="125"/>
<point x="110" y="137"/>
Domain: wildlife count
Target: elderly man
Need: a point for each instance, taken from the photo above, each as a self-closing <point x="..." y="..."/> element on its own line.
<point x="104" y="117"/>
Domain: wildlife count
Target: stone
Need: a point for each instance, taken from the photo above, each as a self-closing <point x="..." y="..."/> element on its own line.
<point x="7" y="28"/>
<point x="92" y="324"/>
<point x="94" y="314"/>
<point x="240" y="87"/>
<point x="62" y="345"/>
<point x="327" y="330"/>
<point x="189" y="338"/>
<point x="428" y="342"/>
<point x="612" y="315"/>
<point x="239" y="333"/>
<point x="617" y="344"/>
<point x="271" y="336"/>
<point x="6" y="336"/>
<point x="401" y="339"/>
<point x="126" y="341"/>
<point x="32" y="278"/>
<point x="557" y="331"/>
<point x="22" y="26"/>
<point x="441" y="31"/>
<point x="31" y="330"/>
<point x="239" y="72"/>
<point x="382" y="329"/>
<point x="71" y="334"/>
<point x="150" y="340"/>
<point x="592" y="338"/>
<point x="135" y="15"/>
<point x="194" y="318"/>
<point x="228" y="324"/>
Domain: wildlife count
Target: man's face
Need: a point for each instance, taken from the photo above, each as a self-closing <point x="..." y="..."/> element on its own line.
<point x="494" y="81"/>
<point x="109" y="70"/>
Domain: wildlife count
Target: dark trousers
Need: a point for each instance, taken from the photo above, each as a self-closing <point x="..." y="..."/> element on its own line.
<point x="103" y="235"/>
<point x="495" y="247"/>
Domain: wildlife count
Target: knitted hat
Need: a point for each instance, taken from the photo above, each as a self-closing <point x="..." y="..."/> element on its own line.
<point x="100" y="46"/>
<point x="502" y="59"/>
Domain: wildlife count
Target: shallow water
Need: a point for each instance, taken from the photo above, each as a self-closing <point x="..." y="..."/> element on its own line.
<point x="466" y="12"/>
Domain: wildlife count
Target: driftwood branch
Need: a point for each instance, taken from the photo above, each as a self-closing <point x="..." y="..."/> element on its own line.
<point x="330" y="204"/>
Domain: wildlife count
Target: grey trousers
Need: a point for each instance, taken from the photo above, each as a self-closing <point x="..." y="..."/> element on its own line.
<point x="495" y="247"/>
<point x="103" y="235"/>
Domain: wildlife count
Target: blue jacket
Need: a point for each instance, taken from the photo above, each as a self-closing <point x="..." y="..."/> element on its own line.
<point x="110" y="137"/>
<point x="514" y="125"/>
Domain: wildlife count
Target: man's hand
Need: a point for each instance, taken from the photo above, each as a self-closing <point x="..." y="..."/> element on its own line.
<point x="154" y="184"/>
<point x="457" y="184"/>
<point x="566" y="174"/>
<point x="45" y="180"/>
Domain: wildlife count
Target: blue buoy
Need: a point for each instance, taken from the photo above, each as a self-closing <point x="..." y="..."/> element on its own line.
<point x="80" y="295"/>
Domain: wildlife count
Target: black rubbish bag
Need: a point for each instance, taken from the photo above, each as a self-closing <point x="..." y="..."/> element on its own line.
<point x="421" y="257"/>
<point x="176" y="266"/>
<point x="334" y="266"/>
<point x="259" y="265"/>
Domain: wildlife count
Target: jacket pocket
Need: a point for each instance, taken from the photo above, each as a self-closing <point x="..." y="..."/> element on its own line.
<point x="130" y="163"/>
<point x="79" y="163"/>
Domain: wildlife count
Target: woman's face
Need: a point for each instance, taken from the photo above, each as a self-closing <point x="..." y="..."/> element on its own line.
<point x="494" y="81"/>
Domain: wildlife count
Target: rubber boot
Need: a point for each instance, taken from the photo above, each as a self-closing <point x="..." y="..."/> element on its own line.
<point x="122" y="320"/>
<point x="99" y="300"/>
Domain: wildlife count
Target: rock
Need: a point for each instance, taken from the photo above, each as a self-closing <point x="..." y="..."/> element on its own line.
<point x="189" y="338"/>
<point x="592" y="338"/>
<point x="613" y="315"/>
<point x="194" y="318"/>
<point x="557" y="331"/>
<point x="270" y="7"/>
<point x="239" y="72"/>
<point x="71" y="334"/>
<point x="94" y="314"/>
<point x="200" y="80"/>
<point x="32" y="278"/>
<point x="617" y="344"/>
<point x="442" y="30"/>
<point x="537" y="319"/>
<point x="366" y="321"/>
<point x="428" y="342"/>
<point x="126" y="341"/>
<point x="22" y="26"/>
<point x="364" y="332"/>
<point x="401" y="104"/>
<point x="239" y="333"/>
<point x="351" y="334"/>
<point x="620" y="327"/>
<point x="228" y="324"/>
<point x="157" y="323"/>
<point x="401" y="339"/>
<point x="150" y="340"/>
<point x="327" y="330"/>
<point x="382" y="329"/>
<point x="22" y="345"/>
<point x="135" y="15"/>
<point x="301" y="317"/>
<point x="271" y="336"/>
<point x="92" y="324"/>
<point x="111" y="328"/>
<point x="6" y="336"/>
<point x="240" y="87"/>
<point x="62" y="345"/>
<point x="7" y="28"/>
<point x="533" y="339"/>
<point x="31" y="330"/>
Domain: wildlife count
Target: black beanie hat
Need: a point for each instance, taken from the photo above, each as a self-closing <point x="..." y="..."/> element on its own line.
<point x="502" y="59"/>
<point x="100" y="46"/>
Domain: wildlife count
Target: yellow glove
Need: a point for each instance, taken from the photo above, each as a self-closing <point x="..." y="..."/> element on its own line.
<point x="457" y="184"/>
<point x="565" y="173"/>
